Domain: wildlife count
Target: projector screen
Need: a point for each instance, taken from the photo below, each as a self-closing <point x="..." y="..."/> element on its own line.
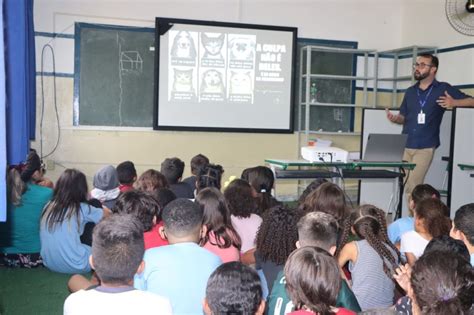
<point x="214" y="76"/>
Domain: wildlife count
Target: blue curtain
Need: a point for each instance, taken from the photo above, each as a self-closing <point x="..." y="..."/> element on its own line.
<point x="21" y="81"/>
<point x="3" y="139"/>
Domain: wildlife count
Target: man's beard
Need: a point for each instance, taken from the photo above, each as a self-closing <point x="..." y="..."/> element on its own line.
<point x="420" y="76"/>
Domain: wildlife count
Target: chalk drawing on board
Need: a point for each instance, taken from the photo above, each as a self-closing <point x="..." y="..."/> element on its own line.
<point x="120" y="79"/>
<point x="131" y="62"/>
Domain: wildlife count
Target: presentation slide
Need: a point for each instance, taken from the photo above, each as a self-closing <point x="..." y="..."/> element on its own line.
<point x="224" y="77"/>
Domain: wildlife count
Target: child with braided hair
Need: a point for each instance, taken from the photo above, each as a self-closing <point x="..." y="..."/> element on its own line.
<point x="372" y="259"/>
<point x="209" y="175"/>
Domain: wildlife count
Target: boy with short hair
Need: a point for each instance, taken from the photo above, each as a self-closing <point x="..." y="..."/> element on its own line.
<point x="127" y="175"/>
<point x="197" y="162"/>
<point x="180" y="270"/>
<point x="172" y="169"/>
<point x="314" y="229"/>
<point x="234" y="288"/>
<point x="117" y="252"/>
<point x="463" y="227"/>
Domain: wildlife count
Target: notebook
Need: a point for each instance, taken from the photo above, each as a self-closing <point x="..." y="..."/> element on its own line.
<point x="383" y="147"/>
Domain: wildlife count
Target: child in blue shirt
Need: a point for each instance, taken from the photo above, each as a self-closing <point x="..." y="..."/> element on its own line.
<point x="62" y="223"/>
<point x="180" y="270"/>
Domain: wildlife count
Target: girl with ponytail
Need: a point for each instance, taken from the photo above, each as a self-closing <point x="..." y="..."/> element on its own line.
<point x="372" y="259"/>
<point x="262" y="180"/>
<point x="19" y="236"/>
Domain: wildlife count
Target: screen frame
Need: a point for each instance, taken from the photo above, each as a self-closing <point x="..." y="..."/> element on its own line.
<point x="162" y="25"/>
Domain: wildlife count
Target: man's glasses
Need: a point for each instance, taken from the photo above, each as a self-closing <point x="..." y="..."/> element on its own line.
<point x="421" y="65"/>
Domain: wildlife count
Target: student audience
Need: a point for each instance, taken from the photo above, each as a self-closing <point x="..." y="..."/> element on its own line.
<point x="127" y="175"/>
<point x="291" y="249"/>
<point x="234" y="288"/>
<point x="62" y="223"/>
<point x="406" y="224"/>
<point x="314" y="229"/>
<point x="19" y="236"/>
<point x="313" y="282"/>
<point x="243" y="206"/>
<point x="463" y="227"/>
<point x="220" y="236"/>
<point x="276" y="239"/>
<point x="172" y="169"/>
<point x="117" y="254"/>
<point x="197" y="162"/>
<point x="180" y="270"/>
<point x="106" y="186"/>
<point x="371" y="259"/>
<point x="146" y="209"/>
<point x="431" y="220"/>
<point x="151" y="180"/>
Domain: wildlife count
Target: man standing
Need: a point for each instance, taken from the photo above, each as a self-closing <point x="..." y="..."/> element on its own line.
<point x="421" y="117"/>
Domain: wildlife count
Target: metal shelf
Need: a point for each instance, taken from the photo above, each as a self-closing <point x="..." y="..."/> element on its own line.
<point x="338" y="77"/>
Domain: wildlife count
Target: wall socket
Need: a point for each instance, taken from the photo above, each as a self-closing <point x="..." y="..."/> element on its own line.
<point x="50" y="165"/>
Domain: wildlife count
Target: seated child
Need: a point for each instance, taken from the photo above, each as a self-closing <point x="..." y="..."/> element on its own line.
<point x="173" y="169"/>
<point x="106" y="186"/>
<point x="180" y="270"/>
<point x="262" y="180"/>
<point x="151" y="180"/>
<point x="234" y="288"/>
<point x="431" y="220"/>
<point x="197" y="162"/>
<point x="313" y="282"/>
<point x="372" y="258"/>
<point x="19" y="236"/>
<point x="117" y="254"/>
<point x="210" y="175"/>
<point x="62" y="223"/>
<point x="463" y="227"/>
<point x="406" y="224"/>
<point x="276" y="239"/>
<point x="220" y="237"/>
<point x="328" y="198"/>
<point x="310" y="188"/>
<point x="127" y="175"/>
<point x="314" y="229"/>
<point x="146" y="208"/>
<point x="242" y="206"/>
<point x="441" y="284"/>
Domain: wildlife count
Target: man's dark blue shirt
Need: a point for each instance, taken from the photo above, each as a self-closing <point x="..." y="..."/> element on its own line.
<point x="422" y="136"/>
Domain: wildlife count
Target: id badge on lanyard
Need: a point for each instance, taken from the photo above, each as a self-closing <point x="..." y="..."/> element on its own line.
<point x="421" y="114"/>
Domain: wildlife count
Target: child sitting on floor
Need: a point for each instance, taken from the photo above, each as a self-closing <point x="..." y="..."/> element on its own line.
<point x="431" y="220"/>
<point x="372" y="258"/>
<point x="313" y="282"/>
<point x="127" y="175"/>
<point x="234" y="288"/>
<point x="146" y="208"/>
<point x="117" y="254"/>
<point x="220" y="236"/>
<point x="180" y="270"/>
<point x="406" y="224"/>
<point x="62" y="223"/>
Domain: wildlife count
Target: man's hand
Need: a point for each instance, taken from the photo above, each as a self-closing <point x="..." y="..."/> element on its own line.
<point x="446" y="101"/>
<point x="393" y="118"/>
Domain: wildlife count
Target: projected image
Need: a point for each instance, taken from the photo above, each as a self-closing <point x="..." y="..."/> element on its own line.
<point x="213" y="48"/>
<point x="183" y="48"/>
<point x="182" y="87"/>
<point x="212" y="86"/>
<point x="241" y="86"/>
<point x="213" y="75"/>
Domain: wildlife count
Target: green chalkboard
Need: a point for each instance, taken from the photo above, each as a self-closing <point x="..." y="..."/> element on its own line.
<point x="114" y="75"/>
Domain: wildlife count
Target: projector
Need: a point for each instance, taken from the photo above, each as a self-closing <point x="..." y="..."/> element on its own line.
<point x="326" y="155"/>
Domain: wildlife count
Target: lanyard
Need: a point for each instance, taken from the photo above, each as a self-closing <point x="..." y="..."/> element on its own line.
<point x="423" y="102"/>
